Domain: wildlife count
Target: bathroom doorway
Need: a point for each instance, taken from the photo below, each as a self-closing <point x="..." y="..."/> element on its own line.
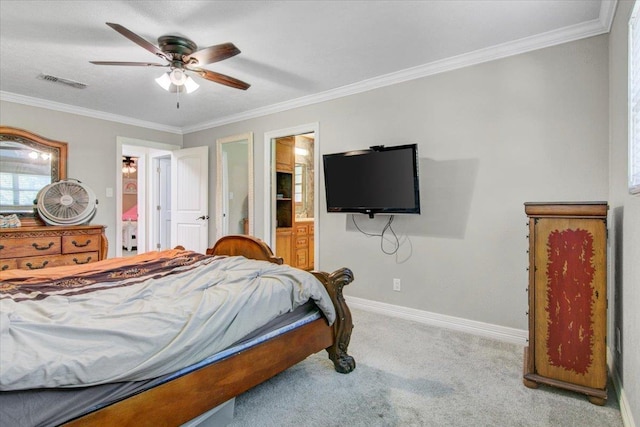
<point x="292" y="185"/>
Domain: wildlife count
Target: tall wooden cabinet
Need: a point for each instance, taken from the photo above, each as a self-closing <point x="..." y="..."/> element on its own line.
<point x="568" y="297"/>
<point x="285" y="206"/>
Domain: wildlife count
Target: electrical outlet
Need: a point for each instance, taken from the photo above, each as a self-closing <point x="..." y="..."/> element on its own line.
<point x="396" y="285"/>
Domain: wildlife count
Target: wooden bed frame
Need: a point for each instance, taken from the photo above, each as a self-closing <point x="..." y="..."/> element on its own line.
<point x="186" y="397"/>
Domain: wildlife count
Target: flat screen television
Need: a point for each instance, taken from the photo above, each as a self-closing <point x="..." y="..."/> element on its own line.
<point x="378" y="180"/>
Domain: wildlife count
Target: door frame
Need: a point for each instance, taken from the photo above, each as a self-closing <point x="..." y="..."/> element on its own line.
<point x="141" y="148"/>
<point x="270" y="177"/>
<point x="220" y="191"/>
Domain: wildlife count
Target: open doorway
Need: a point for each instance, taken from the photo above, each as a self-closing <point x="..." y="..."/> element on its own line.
<point x="130" y="205"/>
<point x="292" y="206"/>
<point x="137" y="197"/>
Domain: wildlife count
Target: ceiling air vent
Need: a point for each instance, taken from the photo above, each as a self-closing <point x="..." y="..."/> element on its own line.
<point x="60" y="80"/>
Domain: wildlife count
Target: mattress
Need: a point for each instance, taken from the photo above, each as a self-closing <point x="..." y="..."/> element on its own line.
<point x="51" y="407"/>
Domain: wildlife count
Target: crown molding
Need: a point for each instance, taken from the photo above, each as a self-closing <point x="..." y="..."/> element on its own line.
<point x="607" y="12"/>
<point x="586" y="29"/>
<point x="66" y="108"/>
<point x="591" y="28"/>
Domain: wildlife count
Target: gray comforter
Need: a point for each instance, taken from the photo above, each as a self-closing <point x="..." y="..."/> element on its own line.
<point x="136" y="328"/>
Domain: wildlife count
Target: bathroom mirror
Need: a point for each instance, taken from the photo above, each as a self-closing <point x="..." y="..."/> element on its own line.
<point x="234" y="185"/>
<point x="28" y="162"/>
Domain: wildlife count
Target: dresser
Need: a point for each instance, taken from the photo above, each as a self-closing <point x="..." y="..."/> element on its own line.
<point x="568" y="298"/>
<point x="49" y="246"/>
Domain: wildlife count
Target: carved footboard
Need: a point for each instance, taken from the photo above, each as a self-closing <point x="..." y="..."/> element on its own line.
<point x="252" y="247"/>
<point x="343" y="325"/>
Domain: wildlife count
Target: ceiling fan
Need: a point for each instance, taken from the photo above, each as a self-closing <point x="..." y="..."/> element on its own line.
<point x="182" y="55"/>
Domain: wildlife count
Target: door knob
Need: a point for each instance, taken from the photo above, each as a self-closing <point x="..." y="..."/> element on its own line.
<point x="203" y="217"/>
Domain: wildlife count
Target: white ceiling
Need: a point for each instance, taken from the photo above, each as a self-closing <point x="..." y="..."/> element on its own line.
<point x="293" y="52"/>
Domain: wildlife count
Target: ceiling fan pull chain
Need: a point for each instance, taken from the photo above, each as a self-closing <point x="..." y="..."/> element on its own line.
<point x="178" y="98"/>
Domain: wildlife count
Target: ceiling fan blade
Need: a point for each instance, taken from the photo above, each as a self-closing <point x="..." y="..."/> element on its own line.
<point x="213" y="53"/>
<point x="135" y="64"/>
<point x="221" y="78"/>
<point x="139" y="40"/>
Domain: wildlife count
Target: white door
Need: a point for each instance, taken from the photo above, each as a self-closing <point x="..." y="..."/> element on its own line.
<point x="189" y="198"/>
<point x="164" y="189"/>
<point x="161" y="204"/>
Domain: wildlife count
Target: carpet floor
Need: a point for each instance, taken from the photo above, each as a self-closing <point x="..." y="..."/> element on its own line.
<point x="411" y="374"/>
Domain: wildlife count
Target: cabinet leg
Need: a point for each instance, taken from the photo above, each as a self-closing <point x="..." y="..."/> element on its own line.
<point x="597" y="400"/>
<point x="529" y="383"/>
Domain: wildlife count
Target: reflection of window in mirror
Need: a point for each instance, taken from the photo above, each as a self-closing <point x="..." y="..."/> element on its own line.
<point x="19" y="188"/>
<point x="298" y="184"/>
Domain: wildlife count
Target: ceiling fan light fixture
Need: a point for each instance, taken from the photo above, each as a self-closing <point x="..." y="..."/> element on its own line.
<point x="177" y="77"/>
<point x="190" y="85"/>
<point x="177" y="82"/>
<point x="128" y="165"/>
<point x="164" y="81"/>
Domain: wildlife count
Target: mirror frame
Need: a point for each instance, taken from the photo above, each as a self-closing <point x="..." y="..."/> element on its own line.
<point x="58" y="151"/>
<point x="250" y="192"/>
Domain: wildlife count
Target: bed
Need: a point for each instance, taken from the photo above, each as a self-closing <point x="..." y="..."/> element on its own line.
<point x="130" y="228"/>
<point x="175" y="388"/>
<point x="129" y="233"/>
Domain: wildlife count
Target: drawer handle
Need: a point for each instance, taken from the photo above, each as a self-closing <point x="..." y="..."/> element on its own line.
<point x="34" y="267"/>
<point x="4" y="267"/>
<point x="1" y="247"/>
<point x="82" y="262"/>
<point x="80" y="245"/>
<point x="42" y="248"/>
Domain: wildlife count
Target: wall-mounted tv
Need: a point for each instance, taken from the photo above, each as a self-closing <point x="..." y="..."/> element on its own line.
<point x="378" y="180"/>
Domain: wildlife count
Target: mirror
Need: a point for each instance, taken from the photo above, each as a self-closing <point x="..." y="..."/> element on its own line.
<point x="234" y="185"/>
<point x="28" y="162"/>
<point x="304" y="194"/>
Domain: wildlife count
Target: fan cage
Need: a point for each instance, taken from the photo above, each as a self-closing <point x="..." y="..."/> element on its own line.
<point x="66" y="202"/>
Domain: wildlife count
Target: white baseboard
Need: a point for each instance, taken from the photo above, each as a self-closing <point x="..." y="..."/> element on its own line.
<point x="625" y="408"/>
<point x="501" y="333"/>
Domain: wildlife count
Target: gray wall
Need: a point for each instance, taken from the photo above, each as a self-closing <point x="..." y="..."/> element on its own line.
<point x="624" y="227"/>
<point x="532" y="127"/>
<point x="92" y="150"/>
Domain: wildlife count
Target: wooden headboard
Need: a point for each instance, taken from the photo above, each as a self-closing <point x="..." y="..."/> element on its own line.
<point x="248" y="246"/>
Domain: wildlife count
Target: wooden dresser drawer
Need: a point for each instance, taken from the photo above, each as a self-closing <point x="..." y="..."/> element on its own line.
<point x="302" y="242"/>
<point x="30" y="246"/>
<point x="80" y="243"/>
<point x="8" y="264"/>
<point x="39" y="262"/>
<point x="302" y="229"/>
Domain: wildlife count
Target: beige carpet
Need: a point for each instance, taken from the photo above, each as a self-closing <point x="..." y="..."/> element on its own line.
<point x="410" y="374"/>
